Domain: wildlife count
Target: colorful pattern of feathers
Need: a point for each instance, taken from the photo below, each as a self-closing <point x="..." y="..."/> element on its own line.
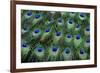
<point x="54" y="36"/>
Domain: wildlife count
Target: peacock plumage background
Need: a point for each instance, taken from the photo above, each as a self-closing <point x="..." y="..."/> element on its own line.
<point x="54" y="36"/>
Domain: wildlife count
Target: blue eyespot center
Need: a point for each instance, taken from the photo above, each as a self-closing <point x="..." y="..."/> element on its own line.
<point x="70" y="21"/>
<point x="67" y="51"/>
<point x="25" y="28"/>
<point x="36" y="31"/>
<point x="47" y="30"/>
<point x="37" y="16"/>
<point x="58" y="33"/>
<point x="54" y="49"/>
<point x="24" y="45"/>
<point x="78" y="37"/>
<point x="69" y="36"/>
<point x="40" y="49"/>
<point x="82" y="14"/>
<point x="81" y="51"/>
<point x="59" y="20"/>
<point x="88" y="40"/>
<point x="87" y="29"/>
<point x="29" y="13"/>
<point x="77" y="26"/>
<point x="51" y="19"/>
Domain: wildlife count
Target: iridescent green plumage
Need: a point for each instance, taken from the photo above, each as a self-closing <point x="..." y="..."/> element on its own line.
<point x="54" y="36"/>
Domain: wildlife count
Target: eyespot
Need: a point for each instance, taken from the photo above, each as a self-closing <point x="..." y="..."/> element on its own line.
<point x="77" y="37"/>
<point x="25" y="28"/>
<point x="88" y="41"/>
<point x="59" y="20"/>
<point x="67" y="51"/>
<point x="82" y="15"/>
<point x="72" y="13"/>
<point x="54" y="49"/>
<point x="47" y="30"/>
<point x="81" y="51"/>
<point x="40" y="49"/>
<point x="69" y="36"/>
<point x="36" y="31"/>
<point x="70" y="21"/>
<point x="37" y="16"/>
<point x="29" y="13"/>
<point x="78" y="26"/>
<point x="24" y="45"/>
<point x="58" y="33"/>
<point x="50" y="19"/>
<point x="87" y="29"/>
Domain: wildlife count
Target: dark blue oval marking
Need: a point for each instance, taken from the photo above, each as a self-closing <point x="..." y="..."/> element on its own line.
<point x="47" y="30"/>
<point x="54" y="49"/>
<point x="77" y="26"/>
<point x="24" y="45"/>
<point x="40" y="49"/>
<point x="37" y="16"/>
<point x="67" y="51"/>
<point x="81" y="51"/>
<point x="87" y="29"/>
<point x="36" y="31"/>
<point x="78" y="37"/>
<point x="29" y="13"/>
<point x="88" y="40"/>
<point x="69" y="36"/>
<point x="70" y="21"/>
<point x="58" y="33"/>
<point x="25" y="28"/>
<point x="59" y="20"/>
<point x="82" y="14"/>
